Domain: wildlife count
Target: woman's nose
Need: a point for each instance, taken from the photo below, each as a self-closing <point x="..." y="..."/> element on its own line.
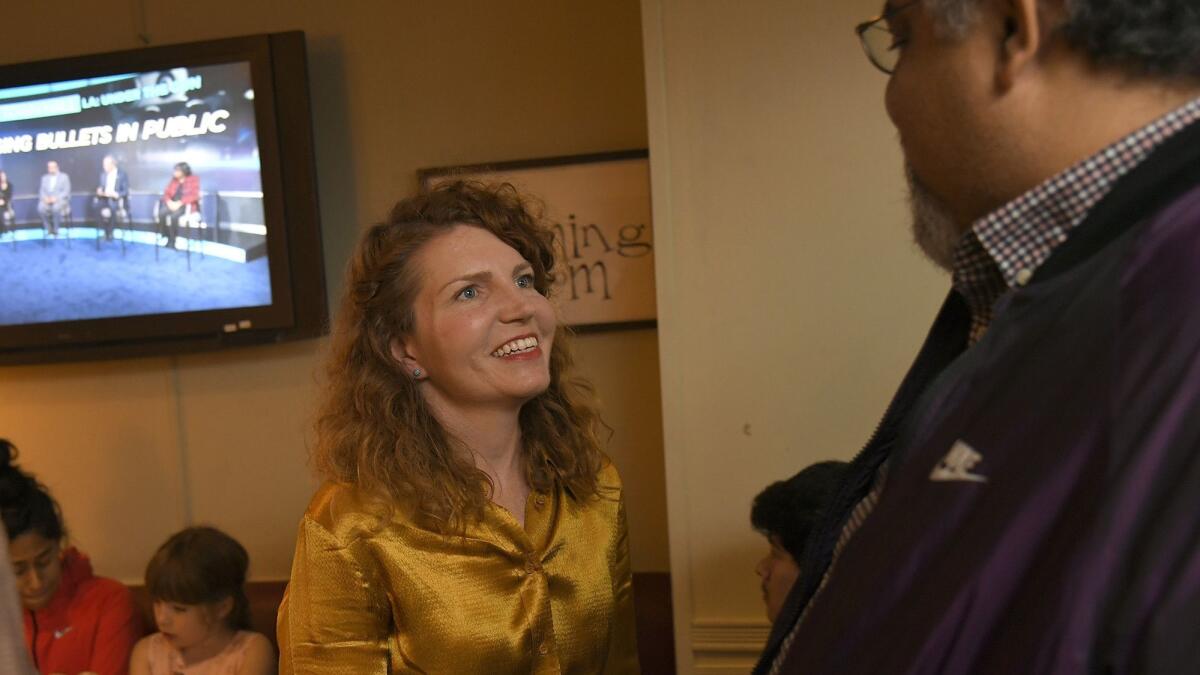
<point x="518" y="305"/>
<point x="761" y="569"/>
<point x="34" y="580"/>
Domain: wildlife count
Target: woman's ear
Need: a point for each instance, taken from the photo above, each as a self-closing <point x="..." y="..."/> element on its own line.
<point x="407" y="360"/>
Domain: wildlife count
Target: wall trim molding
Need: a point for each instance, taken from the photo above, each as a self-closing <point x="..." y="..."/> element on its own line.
<point x="729" y="637"/>
<point x="727" y="646"/>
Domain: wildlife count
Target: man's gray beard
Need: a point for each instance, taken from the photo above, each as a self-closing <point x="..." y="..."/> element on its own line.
<point x="934" y="230"/>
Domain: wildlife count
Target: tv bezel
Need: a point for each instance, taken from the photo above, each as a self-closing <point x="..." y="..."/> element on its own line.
<point x="298" y="309"/>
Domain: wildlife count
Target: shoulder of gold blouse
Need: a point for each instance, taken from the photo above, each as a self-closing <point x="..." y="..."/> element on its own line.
<point x="608" y="481"/>
<point x="346" y="513"/>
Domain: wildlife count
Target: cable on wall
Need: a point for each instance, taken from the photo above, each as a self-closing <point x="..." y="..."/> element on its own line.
<point x="185" y="478"/>
<point x="139" y="22"/>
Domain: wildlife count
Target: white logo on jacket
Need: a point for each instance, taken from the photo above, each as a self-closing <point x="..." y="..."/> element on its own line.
<point x="957" y="465"/>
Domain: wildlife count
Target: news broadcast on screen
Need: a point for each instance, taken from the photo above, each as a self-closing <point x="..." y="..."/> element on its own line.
<point x="131" y="194"/>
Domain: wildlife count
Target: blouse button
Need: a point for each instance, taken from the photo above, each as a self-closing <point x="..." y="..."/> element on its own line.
<point x="543" y="649"/>
<point x="539" y="501"/>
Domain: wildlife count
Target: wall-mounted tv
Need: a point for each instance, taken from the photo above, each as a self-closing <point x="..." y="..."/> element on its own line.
<point x="158" y="200"/>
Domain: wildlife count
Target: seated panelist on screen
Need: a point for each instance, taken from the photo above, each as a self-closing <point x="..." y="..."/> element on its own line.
<point x="54" y="197"/>
<point x="111" y="192"/>
<point x="75" y="622"/>
<point x="470" y="522"/>
<point x="180" y="198"/>
<point x="6" y="210"/>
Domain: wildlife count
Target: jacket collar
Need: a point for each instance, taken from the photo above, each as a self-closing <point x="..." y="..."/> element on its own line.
<point x="76" y="569"/>
<point x="1170" y="171"/>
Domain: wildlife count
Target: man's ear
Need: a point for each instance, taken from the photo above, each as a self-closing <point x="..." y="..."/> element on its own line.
<point x="1023" y="34"/>
<point x="404" y="356"/>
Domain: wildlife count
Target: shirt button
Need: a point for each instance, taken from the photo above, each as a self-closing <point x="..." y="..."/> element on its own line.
<point x="543" y="649"/>
<point x="539" y="501"/>
<point x="1024" y="276"/>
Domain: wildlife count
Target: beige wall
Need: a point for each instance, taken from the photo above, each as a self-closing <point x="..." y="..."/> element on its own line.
<point x="790" y="299"/>
<point x="135" y="449"/>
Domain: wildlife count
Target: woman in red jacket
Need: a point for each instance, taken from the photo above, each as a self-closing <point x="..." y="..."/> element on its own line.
<point x="179" y="198"/>
<point x="74" y="622"/>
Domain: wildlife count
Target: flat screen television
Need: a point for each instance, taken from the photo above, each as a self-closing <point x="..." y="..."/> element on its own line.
<point x="158" y="200"/>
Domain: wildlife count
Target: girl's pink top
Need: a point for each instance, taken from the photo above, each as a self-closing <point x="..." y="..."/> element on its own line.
<point x="166" y="660"/>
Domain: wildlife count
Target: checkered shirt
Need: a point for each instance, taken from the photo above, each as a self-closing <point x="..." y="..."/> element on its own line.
<point x="1003" y="249"/>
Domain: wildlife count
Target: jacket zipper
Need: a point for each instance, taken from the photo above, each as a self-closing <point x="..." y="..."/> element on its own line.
<point x="33" y="645"/>
<point x="943" y="339"/>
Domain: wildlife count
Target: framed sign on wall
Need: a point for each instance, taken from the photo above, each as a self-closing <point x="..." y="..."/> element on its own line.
<point x="599" y="208"/>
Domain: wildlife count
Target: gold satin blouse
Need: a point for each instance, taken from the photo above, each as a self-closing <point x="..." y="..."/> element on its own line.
<point x="369" y="595"/>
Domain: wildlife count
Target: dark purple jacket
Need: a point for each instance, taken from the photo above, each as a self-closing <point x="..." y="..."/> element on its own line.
<point x="1079" y="551"/>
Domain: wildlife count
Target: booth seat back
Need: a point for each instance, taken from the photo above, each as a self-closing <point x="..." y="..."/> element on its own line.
<point x="651" y="597"/>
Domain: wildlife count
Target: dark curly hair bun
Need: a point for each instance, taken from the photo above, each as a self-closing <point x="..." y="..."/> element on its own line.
<point x="8" y="452"/>
<point x="25" y="504"/>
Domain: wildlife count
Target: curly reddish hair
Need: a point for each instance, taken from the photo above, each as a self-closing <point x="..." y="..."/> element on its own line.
<point x="374" y="429"/>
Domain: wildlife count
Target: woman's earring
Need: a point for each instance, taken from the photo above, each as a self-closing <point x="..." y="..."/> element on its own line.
<point x="416" y="372"/>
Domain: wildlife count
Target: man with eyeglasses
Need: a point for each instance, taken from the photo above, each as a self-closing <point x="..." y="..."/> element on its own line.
<point x="1031" y="500"/>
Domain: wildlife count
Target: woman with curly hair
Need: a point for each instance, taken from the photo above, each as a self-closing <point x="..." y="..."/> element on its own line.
<point x="470" y="522"/>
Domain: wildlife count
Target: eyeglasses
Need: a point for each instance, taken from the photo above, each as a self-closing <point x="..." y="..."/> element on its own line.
<point x="879" y="42"/>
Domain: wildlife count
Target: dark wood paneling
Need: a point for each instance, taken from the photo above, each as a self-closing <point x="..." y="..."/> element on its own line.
<point x="656" y="635"/>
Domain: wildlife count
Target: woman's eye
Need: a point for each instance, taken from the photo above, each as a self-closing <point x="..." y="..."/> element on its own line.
<point x="468" y="293"/>
<point x="525" y="281"/>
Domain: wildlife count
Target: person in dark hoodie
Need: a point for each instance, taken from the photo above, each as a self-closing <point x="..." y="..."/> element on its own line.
<point x="75" y="622"/>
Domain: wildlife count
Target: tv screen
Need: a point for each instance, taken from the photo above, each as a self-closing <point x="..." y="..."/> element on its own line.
<point x="158" y="200"/>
